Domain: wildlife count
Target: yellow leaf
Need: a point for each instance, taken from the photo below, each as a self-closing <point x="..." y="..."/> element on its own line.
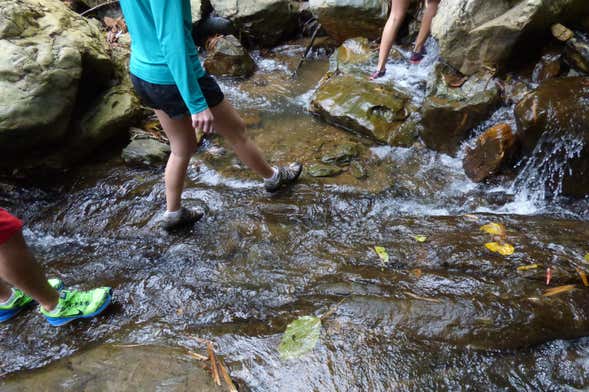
<point x="494" y="229"/>
<point x="420" y="238"/>
<point x="583" y="276"/>
<point x="587" y="258"/>
<point x="559" y="290"/>
<point x="382" y="253"/>
<point x="527" y="267"/>
<point x="503" y="249"/>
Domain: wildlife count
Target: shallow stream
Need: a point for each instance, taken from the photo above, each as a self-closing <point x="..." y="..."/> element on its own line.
<point x="445" y="314"/>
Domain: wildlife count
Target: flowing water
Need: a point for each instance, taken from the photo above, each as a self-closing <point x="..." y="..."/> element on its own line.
<point x="445" y="314"/>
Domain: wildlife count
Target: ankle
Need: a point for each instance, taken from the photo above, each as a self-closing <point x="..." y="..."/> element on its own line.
<point x="273" y="176"/>
<point x="6" y="296"/>
<point x="51" y="305"/>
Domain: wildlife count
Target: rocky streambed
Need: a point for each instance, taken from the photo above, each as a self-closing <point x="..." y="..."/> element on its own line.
<point x="416" y="163"/>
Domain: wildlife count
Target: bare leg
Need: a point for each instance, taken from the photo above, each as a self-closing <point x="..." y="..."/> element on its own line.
<point x="183" y="145"/>
<point x="19" y="268"/>
<point x="426" y="24"/>
<point x="229" y="124"/>
<point x="391" y="28"/>
<point x="5" y="292"/>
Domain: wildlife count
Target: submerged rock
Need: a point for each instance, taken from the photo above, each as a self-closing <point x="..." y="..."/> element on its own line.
<point x="553" y="126"/>
<point x="226" y="57"/>
<point x="342" y="154"/>
<point x="343" y="19"/>
<point x="450" y="113"/>
<point x="46" y="51"/>
<point x="260" y="22"/>
<point x="118" y="368"/>
<point x="357" y="170"/>
<point x="473" y="33"/>
<point x="145" y="152"/>
<point x="323" y="170"/>
<point x="352" y="56"/>
<point x="356" y="104"/>
<point x="493" y="149"/>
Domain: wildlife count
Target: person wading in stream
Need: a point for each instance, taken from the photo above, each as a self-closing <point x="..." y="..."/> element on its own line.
<point x="391" y="28"/>
<point x="168" y="77"/>
<point x="18" y="268"/>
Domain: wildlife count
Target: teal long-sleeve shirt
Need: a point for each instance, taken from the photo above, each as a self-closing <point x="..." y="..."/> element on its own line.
<point x="162" y="48"/>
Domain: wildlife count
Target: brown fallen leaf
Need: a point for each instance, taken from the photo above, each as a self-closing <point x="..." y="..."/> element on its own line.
<point x="559" y="290"/>
<point x="583" y="276"/>
<point x="416" y="272"/>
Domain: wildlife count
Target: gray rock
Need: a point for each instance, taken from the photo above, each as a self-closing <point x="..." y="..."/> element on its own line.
<point x="577" y="52"/>
<point x="357" y="170"/>
<point x="260" y="22"/>
<point x="450" y="113"/>
<point x="45" y="48"/>
<point x="323" y="170"/>
<point x="472" y="33"/>
<point x="342" y="154"/>
<point x="226" y="57"/>
<point x="115" y="111"/>
<point x="343" y="19"/>
<point x="145" y="152"/>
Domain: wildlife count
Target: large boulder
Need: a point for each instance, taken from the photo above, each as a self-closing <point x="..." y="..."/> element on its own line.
<point x="343" y="19"/>
<point x="260" y="22"/>
<point x="449" y="112"/>
<point x="46" y="51"/>
<point x="553" y="126"/>
<point x="354" y="103"/>
<point x="473" y="33"/>
<point x="226" y="57"/>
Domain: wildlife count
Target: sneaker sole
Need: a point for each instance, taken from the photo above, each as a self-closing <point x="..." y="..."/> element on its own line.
<point x="8" y="314"/>
<point x="286" y="185"/>
<point x="58" y="322"/>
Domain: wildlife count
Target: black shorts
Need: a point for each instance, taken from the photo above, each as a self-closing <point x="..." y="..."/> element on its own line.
<point x="167" y="98"/>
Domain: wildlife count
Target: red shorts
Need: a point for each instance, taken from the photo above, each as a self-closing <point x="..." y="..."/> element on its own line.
<point x="9" y="226"/>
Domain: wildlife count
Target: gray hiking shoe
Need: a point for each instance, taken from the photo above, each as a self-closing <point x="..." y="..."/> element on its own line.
<point x="287" y="175"/>
<point x="186" y="217"/>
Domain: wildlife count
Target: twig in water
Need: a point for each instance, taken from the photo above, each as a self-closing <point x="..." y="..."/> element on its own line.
<point x="213" y="363"/>
<point x="302" y="60"/>
<point x="226" y="377"/>
<point x="98" y="6"/>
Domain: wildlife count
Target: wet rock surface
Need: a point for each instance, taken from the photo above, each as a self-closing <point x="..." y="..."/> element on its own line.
<point x="145" y="152"/>
<point x="577" y="52"/>
<point x="118" y="368"/>
<point x="556" y="112"/>
<point x="494" y="149"/>
<point x="474" y="33"/>
<point x="260" y="22"/>
<point x="46" y="50"/>
<point x="449" y="113"/>
<point x="226" y="57"/>
<point x="343" y="19"/>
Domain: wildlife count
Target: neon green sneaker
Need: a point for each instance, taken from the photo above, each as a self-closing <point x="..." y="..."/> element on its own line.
<point x="74" y="305"/>
<point x="20" y="301"/>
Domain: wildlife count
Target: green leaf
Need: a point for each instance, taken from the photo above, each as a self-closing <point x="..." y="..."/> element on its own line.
<point x="420" y="238"/>
<point x="300" y="337"/>
<point x="587" y="258"/>
<point x="382" y="253"/>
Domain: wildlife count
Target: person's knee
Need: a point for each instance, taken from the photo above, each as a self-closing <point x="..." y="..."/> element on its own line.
<point x="238" y="134"/>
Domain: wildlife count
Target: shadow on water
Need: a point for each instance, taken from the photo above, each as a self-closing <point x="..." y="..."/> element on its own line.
<point x="443" y="314"/>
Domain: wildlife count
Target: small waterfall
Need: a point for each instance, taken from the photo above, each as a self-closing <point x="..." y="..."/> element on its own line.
<point x="541" y="177"/>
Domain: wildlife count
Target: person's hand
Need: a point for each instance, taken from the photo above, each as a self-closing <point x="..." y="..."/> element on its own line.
<point x="203" y="121"/>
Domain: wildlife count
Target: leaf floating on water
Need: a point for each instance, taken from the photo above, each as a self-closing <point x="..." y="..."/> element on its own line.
<point x="300" y="337"/>
<point x="559" y="290"/>
<point x="527" y="267"/>
<point x="494" y="229"/>
<point x="587" y="258"/>
<point x="583" y="276"/>
<point x="382" y="253"/>
<point x="503" y="249"/>
<point x="420" y="238"/>
<point x="416" y="272"/>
